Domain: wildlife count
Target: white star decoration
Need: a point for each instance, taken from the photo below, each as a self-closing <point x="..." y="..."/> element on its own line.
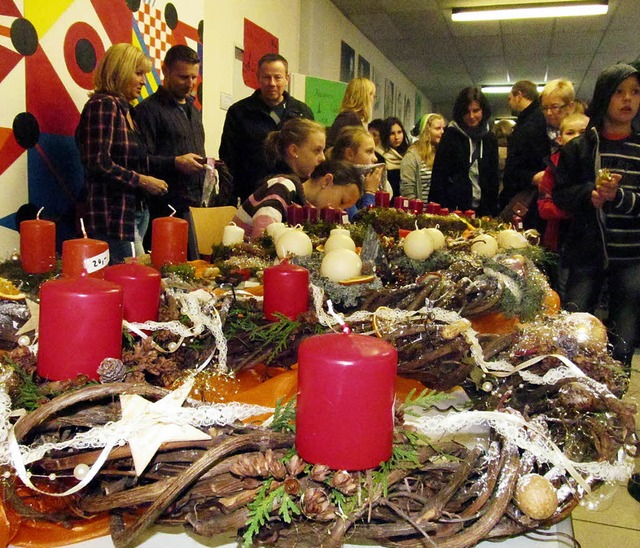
<point x="153" y="423"/>
<point x="32" y="323"/>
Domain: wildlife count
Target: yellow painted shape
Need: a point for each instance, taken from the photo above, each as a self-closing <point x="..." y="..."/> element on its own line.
<point x="44" y="14"/>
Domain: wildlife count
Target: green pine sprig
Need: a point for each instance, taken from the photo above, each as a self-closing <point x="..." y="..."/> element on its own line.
<point x="284" y="416"/>
<point x="414" y="405"/>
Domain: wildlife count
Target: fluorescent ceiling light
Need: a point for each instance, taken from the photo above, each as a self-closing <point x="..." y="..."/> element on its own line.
<point x="497" y="90"/>
<point x="530" y="11"/>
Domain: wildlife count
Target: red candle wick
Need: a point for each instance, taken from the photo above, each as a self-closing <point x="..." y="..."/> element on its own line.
<point x="38" y="214"/>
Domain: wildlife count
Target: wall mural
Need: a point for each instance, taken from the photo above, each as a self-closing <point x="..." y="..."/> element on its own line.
<point x="48" y="52"/>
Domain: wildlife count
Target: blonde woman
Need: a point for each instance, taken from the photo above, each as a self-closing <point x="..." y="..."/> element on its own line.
<point x="356" y="108"/>
<point x="416" y="165"/>
<point x="118" y="171"/>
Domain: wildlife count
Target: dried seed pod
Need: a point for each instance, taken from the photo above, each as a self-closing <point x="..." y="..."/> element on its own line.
<point x="291" y="486"/>
<point x="344" y="482"/>
<point x="315" y="505"/>
<point x="319" y="472"/>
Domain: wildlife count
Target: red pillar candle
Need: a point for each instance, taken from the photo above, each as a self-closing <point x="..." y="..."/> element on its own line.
<point x="295" y="214"/>
<point x="286" y="290"/>
<point x="416" y="206"/>
<point x="444" y="211"/>
<point x="400" y="202"/>
<point x="328" y="214"/>
<point x="346" y="388"/>
<point x="85" y="254"/>
<point x="37" y="245"/>
<point x="311" y="213"/>
<point x="470" y="213"/>
<point x="169" y="240"/>
<point x="80" y="325"/>
<point x="141" y="290"/>
<point x="382" y="198"/>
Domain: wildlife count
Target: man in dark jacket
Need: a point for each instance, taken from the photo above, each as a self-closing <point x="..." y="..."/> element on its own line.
<point x="250" y="120"/>
<point x="528" y="146"/>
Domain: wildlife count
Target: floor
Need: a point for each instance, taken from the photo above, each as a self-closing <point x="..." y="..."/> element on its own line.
<point x="615" y="520"/>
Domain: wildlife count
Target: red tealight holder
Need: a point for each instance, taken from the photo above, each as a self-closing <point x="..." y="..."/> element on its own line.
<point x="169" y="240"/>
<point x="90" y="312"/>
<point x="37" y="245"/>
<point x="346" y="389"/>
<point x="286" y="291"/>
<point x="141" y="290"/>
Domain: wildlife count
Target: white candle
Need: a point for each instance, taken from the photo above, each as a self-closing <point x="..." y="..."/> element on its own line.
<point x="232" y="234"/>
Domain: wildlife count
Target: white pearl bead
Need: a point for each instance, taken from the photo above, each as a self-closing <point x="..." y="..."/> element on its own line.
<point x="52" y="477"/>
<point x="80" y="471"/>
<point x="173" y="346"/>
<point x="487" y="386"/>
<point x="24" y="340"/>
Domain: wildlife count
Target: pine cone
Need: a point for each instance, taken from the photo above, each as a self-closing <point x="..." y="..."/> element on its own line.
<point x="259" y="465"/>
<point x="315" y="505"/>
<point x="111" y="370"/>
<point x="319" y="472"/>
<point x="295" y="466"/>
<point x="275" y="465"/>
<point x="344" y="482"/>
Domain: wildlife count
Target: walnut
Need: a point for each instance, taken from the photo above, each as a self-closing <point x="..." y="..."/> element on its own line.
<point x="536" y="496"/>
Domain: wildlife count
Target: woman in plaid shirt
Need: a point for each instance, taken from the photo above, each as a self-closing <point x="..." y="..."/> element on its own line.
<point x="119" y="173"/>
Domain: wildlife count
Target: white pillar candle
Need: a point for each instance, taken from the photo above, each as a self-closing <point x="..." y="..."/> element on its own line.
<point x="232" y="234"/>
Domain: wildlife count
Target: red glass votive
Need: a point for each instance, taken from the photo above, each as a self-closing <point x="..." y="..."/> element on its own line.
<point x="169" y="240"/>
<point x="416" y="206"/>
<point x="382" y="198"/>
<point x="84" y="254"/>
<point x="37" y="245"/>
<point x="346" y="389"/>
<point x="286" y="290"/>
<point x="141" y="290"/>
<point x="90" y="311"/>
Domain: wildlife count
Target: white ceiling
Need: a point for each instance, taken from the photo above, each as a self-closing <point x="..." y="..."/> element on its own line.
<point x="441" y="57"/>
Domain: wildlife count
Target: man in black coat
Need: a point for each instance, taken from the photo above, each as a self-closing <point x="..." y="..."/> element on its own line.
<point x="250" y="120"/>
<point x="528" y="146"/>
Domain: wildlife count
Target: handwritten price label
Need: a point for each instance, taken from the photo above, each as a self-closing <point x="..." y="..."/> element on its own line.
<point x="97" y="262"/>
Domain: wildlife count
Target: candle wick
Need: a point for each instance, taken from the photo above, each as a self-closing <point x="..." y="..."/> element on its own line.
<point x="38" y="214"/>
<point x="84" y="232"/>
<point x="133" y="249"/>
<point x="173" y="210"/>
<point x="345" y="328"/>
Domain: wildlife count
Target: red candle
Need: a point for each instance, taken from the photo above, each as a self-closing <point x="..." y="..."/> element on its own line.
<point x="141" y="290"/>
<point x="346" y="388"/>
<point x="80" y="325"/>
<point x="295" y="214"/>
<point x="457" y="212"/>
<point x="37" y="245"/>
<point x="311" y="213"/>
<point x="328" y="214"/>
<point x="400" y="202"/>
<point x="382" y="198"/>
<point x="443" y="211"/>
<point x="470" y="213"/>
<point x="403" y="233"/>
<point x="416" y="206"/>
<point x="286" y="290"/>
<point x="85" y="254"/>
<point x="169" y="240"/>
<point x="433" y="208"/>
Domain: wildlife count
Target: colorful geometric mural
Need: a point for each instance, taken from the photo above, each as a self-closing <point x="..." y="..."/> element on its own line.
<point x="48" y="52"/>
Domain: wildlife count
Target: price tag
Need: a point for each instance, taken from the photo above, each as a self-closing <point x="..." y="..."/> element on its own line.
<point x="97" y="262"/>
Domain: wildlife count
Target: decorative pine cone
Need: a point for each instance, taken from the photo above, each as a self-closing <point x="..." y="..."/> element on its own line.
<point x="258" y="465"/>
<point x="344" y="482"/>
<point x="111" y="370"/>
<point x="315" y="505"/>
<point x="319" y="472"/>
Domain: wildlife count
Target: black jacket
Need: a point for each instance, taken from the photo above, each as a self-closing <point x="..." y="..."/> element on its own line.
<point x="450" y="183"/>
<point x="528" y="147"/>
<point x="246" y="127"/>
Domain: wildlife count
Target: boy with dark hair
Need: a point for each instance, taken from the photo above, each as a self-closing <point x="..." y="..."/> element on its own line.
<point x="598" y="181"/>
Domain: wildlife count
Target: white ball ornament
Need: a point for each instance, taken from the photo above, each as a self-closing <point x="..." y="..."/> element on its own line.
<point x="511" y="239"/>
<point x="275" y="230"/>
<point x="340" y="232"/>
<point x="341" y="264"/>
<point x="418" y="245"/>
<point x="437" y="237"/>
<point x="293" y="242"/>
<point x="485" y="245"/>
<point x="339" y="241"/>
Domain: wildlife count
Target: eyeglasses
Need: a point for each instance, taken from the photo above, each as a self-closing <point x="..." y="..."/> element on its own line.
<point x="553" y="108"/>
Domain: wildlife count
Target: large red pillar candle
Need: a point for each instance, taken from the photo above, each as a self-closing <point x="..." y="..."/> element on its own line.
<point x="286" y="290"/>
<point x="85" y="254"/>
<point x="80" y="325"/>
<point x="169" y="240"/>
<point x="141" y="290"/>
<point x="346" y="388"/>
<point x="37" y="246"/>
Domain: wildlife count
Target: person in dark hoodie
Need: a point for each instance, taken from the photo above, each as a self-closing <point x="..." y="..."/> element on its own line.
<point x="603" y="241"/>
<point x="465" y="170"/>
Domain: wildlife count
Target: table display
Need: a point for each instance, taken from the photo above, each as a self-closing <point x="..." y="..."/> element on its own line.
<point x="507" y="411"/>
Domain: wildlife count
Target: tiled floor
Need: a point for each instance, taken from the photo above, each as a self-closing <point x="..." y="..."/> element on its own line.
<point x="616" y="521"/>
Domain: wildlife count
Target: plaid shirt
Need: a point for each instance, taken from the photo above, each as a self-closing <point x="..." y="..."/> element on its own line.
<point x="113" y="155"/>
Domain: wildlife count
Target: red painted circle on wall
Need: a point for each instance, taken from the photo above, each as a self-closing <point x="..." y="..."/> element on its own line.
<point x="82" y="49"/>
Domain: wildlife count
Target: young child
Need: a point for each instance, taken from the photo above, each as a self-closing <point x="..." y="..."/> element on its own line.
<point x="571" y="127"/>
<point x="598" y="182"/>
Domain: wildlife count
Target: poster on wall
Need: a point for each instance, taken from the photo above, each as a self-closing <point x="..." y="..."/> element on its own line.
<point x="61" y="46"/>
<point x="257" y="42"/>
<point x="347" y="62"/>
<point x="389" y="98"/>
<point x="378" y="105"/>
<point x="364" y="68"/>
<point x="324" y="98"/>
